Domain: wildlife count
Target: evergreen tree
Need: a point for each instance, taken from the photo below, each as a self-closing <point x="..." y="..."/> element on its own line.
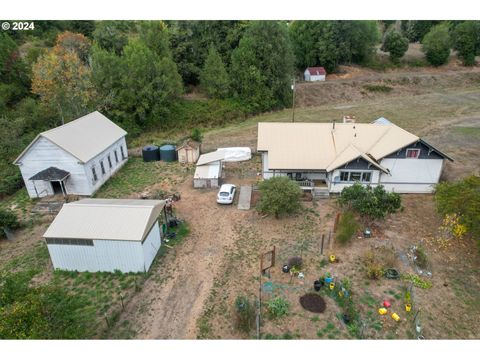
<point x="262" y="66"/>
<point x="395" y="44"/>
<point x="214" y="77"/>
<point x="436" y="45"/>
<point x="466" y="39"/>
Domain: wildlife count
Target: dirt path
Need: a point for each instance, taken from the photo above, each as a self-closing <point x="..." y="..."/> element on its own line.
<point x="169" y="309"/>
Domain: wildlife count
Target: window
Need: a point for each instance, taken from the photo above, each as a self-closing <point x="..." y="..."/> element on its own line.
<point x="109" y="161"/>
<point x="352" y="176"/>
<point x="94" y="173"/>
<point x="121" y="151"/>
<point x="116" y="156"/>
<point x="413" y="153"/>
<point x="355" y="176"/>
<point x="366" y="176"/>
<point x="102" y="167"/>
<point x="60" y="241"/>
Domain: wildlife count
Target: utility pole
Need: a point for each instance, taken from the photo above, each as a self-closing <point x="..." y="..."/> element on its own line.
<point x="293" y="100"/>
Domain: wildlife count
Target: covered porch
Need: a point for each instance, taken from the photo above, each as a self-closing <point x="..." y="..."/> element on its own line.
<point x="52" y="180"/>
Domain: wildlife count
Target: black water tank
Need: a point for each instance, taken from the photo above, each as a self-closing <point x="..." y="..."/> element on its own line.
<point x="168" y="153"/>
<point x="150" y="153"/>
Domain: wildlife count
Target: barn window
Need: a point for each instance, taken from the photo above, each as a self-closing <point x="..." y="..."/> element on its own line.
<point x="116" y="156"/>
<point x="94" y="173"/>
<point x="121" y="151"/>
<point x="413" y="153"/>
<point x="61" y="241"/>
<point x="102" y="167"/>
<point x="109" y="161"/>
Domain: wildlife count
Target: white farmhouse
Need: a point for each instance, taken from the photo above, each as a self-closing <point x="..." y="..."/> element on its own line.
<point x="106" y="235"/>
<point x="75" y="158"/>
<point x="326" y="157"/>
<point x="315" y="74"/>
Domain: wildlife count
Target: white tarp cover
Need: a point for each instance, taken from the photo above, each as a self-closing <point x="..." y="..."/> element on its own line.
<point x="233" y="154"/>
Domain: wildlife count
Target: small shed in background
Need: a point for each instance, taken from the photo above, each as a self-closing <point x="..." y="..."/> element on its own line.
<point x="188" y="152"/>
<point x="317" y="73"/>
<point x="209" y="171"/>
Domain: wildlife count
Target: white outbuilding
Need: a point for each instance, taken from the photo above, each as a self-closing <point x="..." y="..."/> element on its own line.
<point x="75" y="158"/>
<point x="106" y="235"/>
<point x="209" y="170"/>
<point x="317" y="73"/>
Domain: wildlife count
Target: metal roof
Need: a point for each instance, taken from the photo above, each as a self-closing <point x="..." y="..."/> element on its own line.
<point x="208" y="171"/>
<point x="50" y="174"/>
<point x="84" y="137"/>
<point x="211" y="157"/>
<point x="321" y="146"/>
<point x="317" y="70"/>
<point x="105" y="219"/>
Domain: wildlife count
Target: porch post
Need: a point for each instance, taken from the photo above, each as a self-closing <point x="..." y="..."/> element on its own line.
<point x="36" y="191"/>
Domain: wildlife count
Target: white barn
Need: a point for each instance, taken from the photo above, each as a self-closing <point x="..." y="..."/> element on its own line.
<point x="106" y="235"/>
<point x="209" y="170"/>
<point x="326" y="157"/>
<point x="75" y="158"/>
<point x="315" y="74"/>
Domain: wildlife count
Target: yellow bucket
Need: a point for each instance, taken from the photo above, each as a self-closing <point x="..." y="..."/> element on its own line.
<point x="395" y="317"/>
<point x="332" y="285"/>
<point x="382" y="311"/>
<point x="408" y="307"/>
<point x="332" y="258"/>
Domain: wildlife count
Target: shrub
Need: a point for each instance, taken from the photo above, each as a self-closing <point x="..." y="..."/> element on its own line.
<point x="395" y="44"/>
<point x="371" y="203"/>
<point x="279" y="196"/>
<point x="378" y="88"/>
<point x="8" y="221"/>
<point x="245" y="314"/>
<point x="461" y="202"/>
<point x="436" y="45"/>
<point x="347" y="227"/>
<point x="196" y="135"/>
<point x="465" y="41"/>
<point x="295" y="261"/>
<point x="278" y="307"/>
<point x="373" y="268"/>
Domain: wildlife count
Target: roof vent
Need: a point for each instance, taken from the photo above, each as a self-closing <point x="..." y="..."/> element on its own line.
<point x="349" y="119"/>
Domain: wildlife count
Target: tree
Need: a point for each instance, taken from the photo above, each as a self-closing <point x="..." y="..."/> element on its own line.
<point x="466" y="40"/>
<point x="330" y="43"/>
<point x="436" y="45"/>
<point x="415" y="30"/>
<point x="262" y="66"/>
<point x="137" y="86"/>
<point x="71" y="42"/>
<point x="279" y="196"/>
<point x="113" y="35"/>
<point x="395" y="44"/>
<point x="370" y="202"/>
<point x="214" y="78"/>
<point x="14" y="80"/>
<point x="63" y="80"/>
<point x="463" y="199"/>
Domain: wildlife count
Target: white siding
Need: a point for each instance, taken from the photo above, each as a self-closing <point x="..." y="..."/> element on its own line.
<point x="411" y="175"/>
<point x="44" y="154"/>
<point x="317" y="78"/>
<point x="335" y="186"/>
<point x="265" y="170"/>
<point x="103" y="156"/>
<point x="151" y="245"/>
<point x="307" y="75"/>
<point x="104" y="255"/>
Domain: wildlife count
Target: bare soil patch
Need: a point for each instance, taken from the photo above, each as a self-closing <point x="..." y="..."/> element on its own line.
<point x="313" y="303"/>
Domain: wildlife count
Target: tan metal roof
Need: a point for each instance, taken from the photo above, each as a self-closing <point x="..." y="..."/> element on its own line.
<point x="211" y="157"/>
<point x="84" y="138"/>
<point x="318" y="146"/>
<point x="105" y="219"/>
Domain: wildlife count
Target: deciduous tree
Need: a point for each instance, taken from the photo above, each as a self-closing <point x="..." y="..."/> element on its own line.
<point x="395" y="44"/>
<point x="436" y="45"/>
